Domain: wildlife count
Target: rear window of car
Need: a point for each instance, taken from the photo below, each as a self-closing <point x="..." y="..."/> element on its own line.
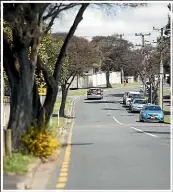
<point x="153" y="108"/>
<point x="140" y="101"/>
<point x="134" y="95"/>
<point x="94" y="90"/>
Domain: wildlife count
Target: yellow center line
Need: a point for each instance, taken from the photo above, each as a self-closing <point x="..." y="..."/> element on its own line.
<point x="60" y="185"/>
<point x="65" y="165"/>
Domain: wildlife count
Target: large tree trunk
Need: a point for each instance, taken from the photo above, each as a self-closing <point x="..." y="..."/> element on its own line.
<point x="21" y="99"/>
<point x="63" y="101"/>
<point x="108" y="84"/>
<point x="36" y="104"/>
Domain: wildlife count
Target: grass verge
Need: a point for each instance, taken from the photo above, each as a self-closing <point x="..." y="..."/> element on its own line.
<point x="166" y="92"/>
<point x="18" y="163"/>
<point x="77" y="93"/>
<point x="167" y="120"/>
<point x="61" y="119"/>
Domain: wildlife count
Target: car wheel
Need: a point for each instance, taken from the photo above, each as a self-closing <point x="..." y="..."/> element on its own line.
<point x="161" y="121"/>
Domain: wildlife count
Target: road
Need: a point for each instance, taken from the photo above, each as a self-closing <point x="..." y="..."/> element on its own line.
<point x="111" y="150"/>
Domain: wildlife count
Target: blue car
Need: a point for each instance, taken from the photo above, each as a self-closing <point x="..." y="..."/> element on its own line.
<point x="151" y="113"/>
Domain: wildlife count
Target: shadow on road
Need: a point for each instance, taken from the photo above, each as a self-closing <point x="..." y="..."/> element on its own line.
<point x="116" y="95"/>
<point x="156" y="132"/>
<point x="98" y="102"/>
<point x="76" y="144"/>
<point x="167" y="112"/>
<point x="166" y="97"/>
<point x="112" y="109"/>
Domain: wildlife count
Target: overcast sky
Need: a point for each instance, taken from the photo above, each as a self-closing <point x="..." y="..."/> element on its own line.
<point x="127" y="21"/>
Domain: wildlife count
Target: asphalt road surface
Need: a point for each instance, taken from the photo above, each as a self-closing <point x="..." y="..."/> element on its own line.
<point x="111" y="150"/>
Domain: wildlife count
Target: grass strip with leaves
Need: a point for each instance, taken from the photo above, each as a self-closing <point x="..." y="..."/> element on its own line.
<point x="61" y="119"/>
<point x="18" y="163"/>
<point x="167" y="120"/>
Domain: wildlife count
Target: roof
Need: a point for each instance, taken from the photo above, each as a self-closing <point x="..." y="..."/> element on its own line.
<point x="134" y="92"/>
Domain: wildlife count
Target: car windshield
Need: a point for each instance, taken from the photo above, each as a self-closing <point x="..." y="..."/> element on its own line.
<point x="153" y="108"/>
<point x="134" y="95"/>
<point x="140" y="101"/>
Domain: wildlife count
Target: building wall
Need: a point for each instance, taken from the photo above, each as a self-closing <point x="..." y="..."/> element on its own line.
<point x="94" y="80"/>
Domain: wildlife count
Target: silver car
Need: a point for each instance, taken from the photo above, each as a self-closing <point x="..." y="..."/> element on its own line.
<point x="137" y="105"/>
<point x="95" y="93"/>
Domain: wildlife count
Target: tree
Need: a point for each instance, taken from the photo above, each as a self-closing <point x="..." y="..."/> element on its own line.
<point x="79" y="57"/>
<point x="21" y="59"/>
<point x="114" y="50"/>
<point x="26" y="24"/>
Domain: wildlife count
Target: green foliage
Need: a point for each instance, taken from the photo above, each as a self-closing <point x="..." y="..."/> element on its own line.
<point x="18" y="163"/>
<point x="49" y="50"/>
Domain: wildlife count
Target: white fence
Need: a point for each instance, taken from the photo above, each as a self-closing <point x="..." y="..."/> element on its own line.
<point x="94" y="80"/>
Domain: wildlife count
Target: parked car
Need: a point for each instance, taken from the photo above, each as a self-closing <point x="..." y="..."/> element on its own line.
<point x="137" y="104"/>
<point x="141" y="96"/>
<point x="95" y="93"/>
<point x="151" y="112"/>
<point x="130" y="96"/>
<point x="124" y="97"/>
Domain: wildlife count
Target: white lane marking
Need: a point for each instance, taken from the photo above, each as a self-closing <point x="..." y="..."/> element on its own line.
<point x="117" y="121"/>
<point x="144" y="132"/>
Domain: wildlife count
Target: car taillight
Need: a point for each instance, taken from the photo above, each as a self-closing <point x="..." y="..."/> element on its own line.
<point x="98" y="93"/>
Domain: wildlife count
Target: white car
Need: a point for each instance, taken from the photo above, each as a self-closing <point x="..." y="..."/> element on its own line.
<point x="130" y="95"/>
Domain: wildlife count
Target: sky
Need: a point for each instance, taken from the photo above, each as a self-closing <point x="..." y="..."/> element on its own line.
<point x="129" y="21"/>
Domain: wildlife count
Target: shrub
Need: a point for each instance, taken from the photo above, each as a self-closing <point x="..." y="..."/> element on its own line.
<point x="40" y="142"/>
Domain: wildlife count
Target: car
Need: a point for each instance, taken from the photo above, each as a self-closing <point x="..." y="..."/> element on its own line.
<point x="141" y="96"/>
<point x="124" y="97"/>
<point x="151" y="112"/>
<point x="137" y="104"/>
<point x="95" y="93"/>
<point x="130" y="96"/>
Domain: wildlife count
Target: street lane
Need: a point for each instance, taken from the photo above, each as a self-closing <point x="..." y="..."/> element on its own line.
<point x="109" y="154"/>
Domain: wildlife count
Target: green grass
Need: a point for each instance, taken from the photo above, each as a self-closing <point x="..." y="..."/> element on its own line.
<point x="167" y="120"/>
<point x="166" y="92"/>
<point x="18" y="163"/>
<point x="77" y="93"/>
<point x="62" y="120"/>
<point x="58" y="103"/>
<point x="127" y="85"/>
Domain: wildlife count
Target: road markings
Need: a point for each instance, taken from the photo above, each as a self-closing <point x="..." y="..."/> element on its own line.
<point x="152" y="135"/>
<point x="60" y="185"/>
<point x="63" y="176"/>
<point x="117" y="121"/>
<point x="144" y="132"/>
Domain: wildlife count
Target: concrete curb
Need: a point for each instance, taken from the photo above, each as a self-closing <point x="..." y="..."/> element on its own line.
<point x="67" y="121"/>
<point x="26" y="182"/>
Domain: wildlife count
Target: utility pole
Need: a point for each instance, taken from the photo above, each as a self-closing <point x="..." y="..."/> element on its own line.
<point x="143" y="44"/>
<point x="161" y="66"/>
<point x="122" y="70"/>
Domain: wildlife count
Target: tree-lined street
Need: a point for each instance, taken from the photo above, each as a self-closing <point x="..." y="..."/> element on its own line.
<point x="58" y="56"/>
<point x="110" y="149"/>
